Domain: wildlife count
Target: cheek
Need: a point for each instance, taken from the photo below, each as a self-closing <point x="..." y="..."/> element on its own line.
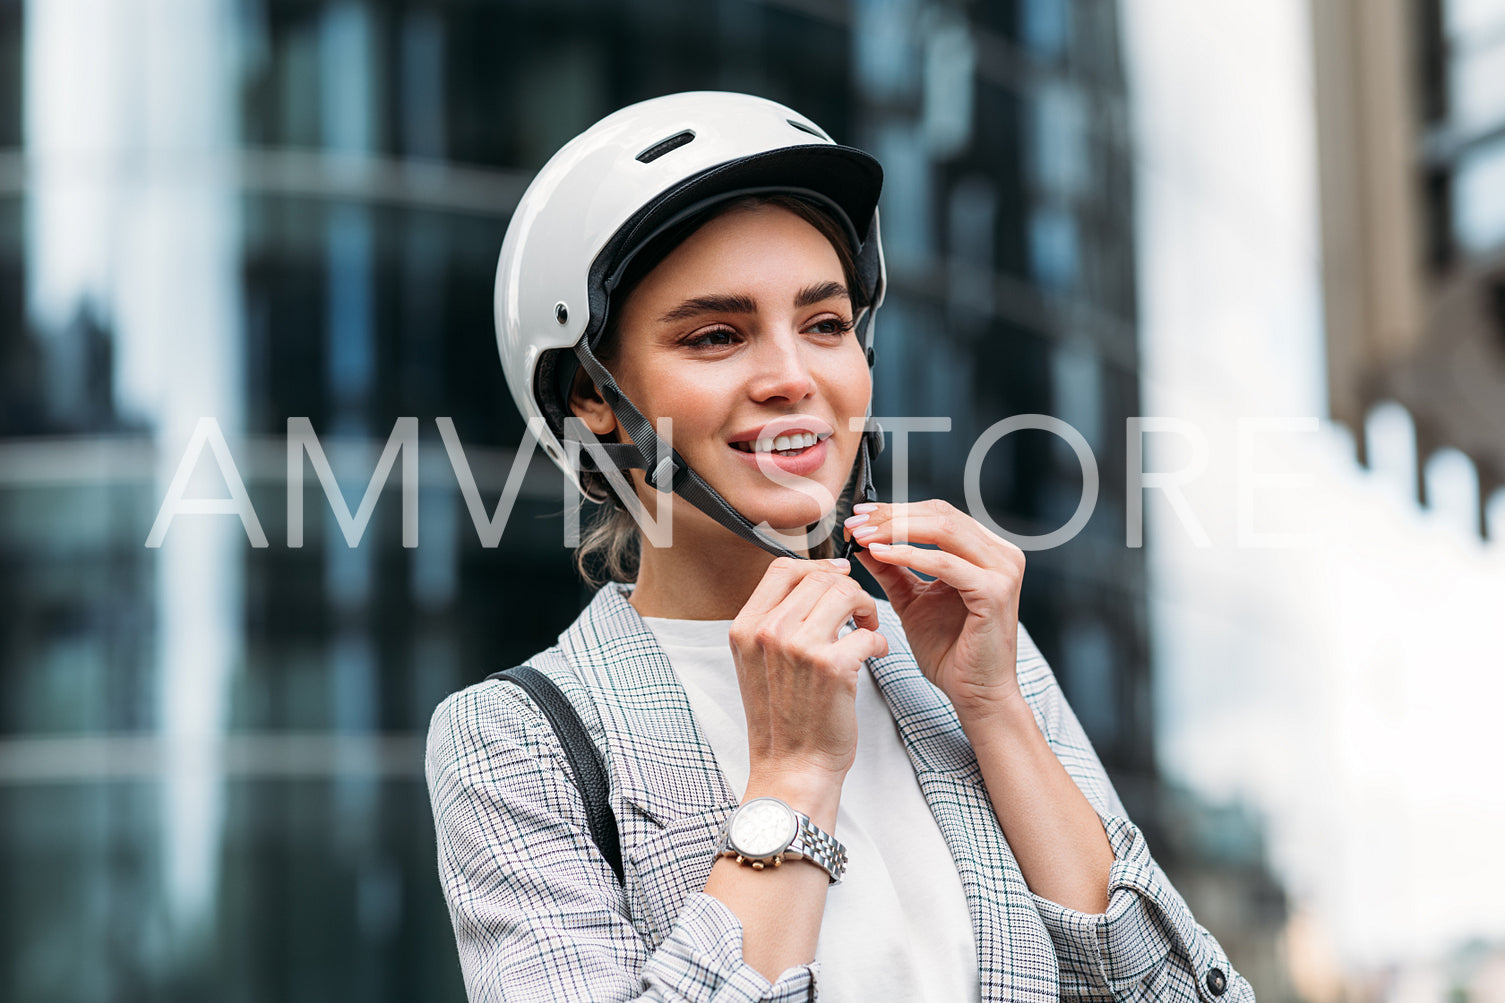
<point x="690" y="401"/>
<point x="693" y="406"/>
<point x="856" y="384"/>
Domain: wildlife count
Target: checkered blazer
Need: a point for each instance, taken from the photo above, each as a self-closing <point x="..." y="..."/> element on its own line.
<point x="538" y="913"/>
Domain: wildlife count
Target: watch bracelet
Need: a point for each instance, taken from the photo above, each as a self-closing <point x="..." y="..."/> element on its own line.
<point x="821" y="848"/>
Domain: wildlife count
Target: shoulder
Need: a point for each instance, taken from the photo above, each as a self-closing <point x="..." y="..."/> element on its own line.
<point x="473" y="725"/>
<point x="495" y="721"/>
<point x="496" y="771"/>
<point x="493" y="710"/>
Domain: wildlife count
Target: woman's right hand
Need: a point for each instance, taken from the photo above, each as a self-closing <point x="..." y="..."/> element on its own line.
<point x="798" y="677"/>
<point x="799" y="689"/>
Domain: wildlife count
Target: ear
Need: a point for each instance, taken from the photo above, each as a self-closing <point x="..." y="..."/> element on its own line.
<point x="588" y="405"/>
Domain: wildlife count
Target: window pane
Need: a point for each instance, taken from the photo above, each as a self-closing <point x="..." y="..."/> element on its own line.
<point x="1463" y="18"/>
<point x="1479" y="198"/>
<point x="1477" y="88"/>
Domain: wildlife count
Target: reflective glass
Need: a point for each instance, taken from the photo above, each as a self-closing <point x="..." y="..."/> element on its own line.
<point x="1470" y="18"/>
<point x="1477" y="87"/>
<point x="1045" y="25"/>
<point x="1479" y="198"/>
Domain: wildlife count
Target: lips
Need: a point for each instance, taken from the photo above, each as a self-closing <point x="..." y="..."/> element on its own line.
<point x="789" y="444"/>
<point x="786" y="435"/>
<point x="792" y="444"/>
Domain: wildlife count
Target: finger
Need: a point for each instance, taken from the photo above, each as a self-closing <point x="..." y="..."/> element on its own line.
<point x="937" y="523"/>
<point x="862" y="645"/>
<point x="844" y="600"/>
<point x="781" y="578"/>
<point x="806" y="595"/>
<point x="898" y="584"/>
<point x="962" y="575"/>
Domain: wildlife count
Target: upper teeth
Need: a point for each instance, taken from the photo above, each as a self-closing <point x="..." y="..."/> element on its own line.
<point x="794" y="440"/>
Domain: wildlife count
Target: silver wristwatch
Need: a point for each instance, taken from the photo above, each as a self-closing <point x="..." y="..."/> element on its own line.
<point x="765" y="832"/>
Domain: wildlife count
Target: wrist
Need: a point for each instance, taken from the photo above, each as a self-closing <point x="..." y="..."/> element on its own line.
<point x="815" y="793"/>
<point x="1003" y="722"/>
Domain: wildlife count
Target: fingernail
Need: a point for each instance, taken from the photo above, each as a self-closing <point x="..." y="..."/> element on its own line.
<point x="877" y="548"/>
<point x="841" y="562"/>
<point x="865" y="507"/>
<point x="856" y="520"/>
<point x="863" y="532"/>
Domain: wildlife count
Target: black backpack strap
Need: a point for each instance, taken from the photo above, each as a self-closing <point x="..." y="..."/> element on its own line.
<point x="586" y="767"/>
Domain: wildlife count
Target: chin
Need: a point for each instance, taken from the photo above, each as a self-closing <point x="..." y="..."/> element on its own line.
<point x="786" y="516"/>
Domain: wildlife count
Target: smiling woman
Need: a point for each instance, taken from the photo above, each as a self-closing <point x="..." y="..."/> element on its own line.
<point x="688" y="288"/>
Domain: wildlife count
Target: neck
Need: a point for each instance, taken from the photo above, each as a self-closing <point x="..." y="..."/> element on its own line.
<point x="709" y="581"/>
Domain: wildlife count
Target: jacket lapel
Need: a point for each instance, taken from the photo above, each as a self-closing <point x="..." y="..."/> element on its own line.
<point x="1015" y="957"/>
<point x="668" y="792"/>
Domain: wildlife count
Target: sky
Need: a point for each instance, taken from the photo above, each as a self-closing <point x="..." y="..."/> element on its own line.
<point x="1343" y="681"/>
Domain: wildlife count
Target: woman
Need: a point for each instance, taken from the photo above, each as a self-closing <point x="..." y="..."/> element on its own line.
<point x="685" y="301"/>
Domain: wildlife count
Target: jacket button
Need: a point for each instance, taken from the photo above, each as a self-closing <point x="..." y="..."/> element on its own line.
<point x="1217" y="982"/>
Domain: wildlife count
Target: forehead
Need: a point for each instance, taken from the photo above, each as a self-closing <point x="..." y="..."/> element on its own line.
<point x="743" y="250"/>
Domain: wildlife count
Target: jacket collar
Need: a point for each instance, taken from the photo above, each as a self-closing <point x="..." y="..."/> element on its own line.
<point x="659" y="760"/>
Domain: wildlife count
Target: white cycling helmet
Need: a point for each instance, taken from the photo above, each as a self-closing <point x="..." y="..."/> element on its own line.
<point x="632" y="177"/>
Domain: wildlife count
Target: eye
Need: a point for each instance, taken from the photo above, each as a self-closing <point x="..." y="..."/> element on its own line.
<point x="831" y="325"/>
<point x="710" y="337"/>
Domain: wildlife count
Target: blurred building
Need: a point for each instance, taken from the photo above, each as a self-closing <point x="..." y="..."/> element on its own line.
<point x="1411" y="142"/>
<point x="1473" y="973"/>
<point x="1217" y="857"/>
<point x="254" y="210"/>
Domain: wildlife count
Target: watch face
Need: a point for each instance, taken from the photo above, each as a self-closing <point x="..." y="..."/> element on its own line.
<point x="763" y="827"/>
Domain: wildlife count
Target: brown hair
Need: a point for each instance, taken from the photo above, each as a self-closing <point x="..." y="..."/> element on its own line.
<point x="610" y="546"/>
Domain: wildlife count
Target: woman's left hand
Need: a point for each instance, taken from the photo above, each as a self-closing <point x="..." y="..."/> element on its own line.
<point x="962" y="626"/>
<point x="963" y="629"/>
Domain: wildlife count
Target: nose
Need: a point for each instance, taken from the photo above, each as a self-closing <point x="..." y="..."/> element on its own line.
<point x="782" y="369"/>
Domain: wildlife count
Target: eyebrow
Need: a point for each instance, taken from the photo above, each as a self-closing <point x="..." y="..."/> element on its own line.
<point x="737" y="303"/>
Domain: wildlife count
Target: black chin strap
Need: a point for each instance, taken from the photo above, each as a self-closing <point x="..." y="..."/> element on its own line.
<point x="863" y="490"/>
<point x="665" y="470"/>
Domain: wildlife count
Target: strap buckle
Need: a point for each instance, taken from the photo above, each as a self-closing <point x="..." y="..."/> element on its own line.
<point x="666" y="475"/>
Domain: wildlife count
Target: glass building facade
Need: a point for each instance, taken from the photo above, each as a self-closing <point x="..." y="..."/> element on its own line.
<point x="252" y="211"/>
<point x="1462" y="60"/>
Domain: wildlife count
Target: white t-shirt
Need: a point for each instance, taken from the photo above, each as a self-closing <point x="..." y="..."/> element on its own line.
<point x="897" y="927"/>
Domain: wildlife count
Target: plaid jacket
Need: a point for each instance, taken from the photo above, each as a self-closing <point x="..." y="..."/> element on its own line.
<point x="539" y="916"/>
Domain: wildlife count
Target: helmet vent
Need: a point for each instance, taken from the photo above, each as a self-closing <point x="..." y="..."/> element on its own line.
<point x="807" y="127"/>
<point x="664" y="146"/>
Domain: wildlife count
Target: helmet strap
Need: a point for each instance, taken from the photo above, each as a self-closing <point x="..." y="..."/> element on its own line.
<point x="863" y="490"/>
